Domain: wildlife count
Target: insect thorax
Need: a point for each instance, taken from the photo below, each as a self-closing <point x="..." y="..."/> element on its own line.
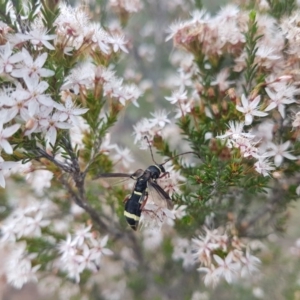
<point x="155" y="171"/>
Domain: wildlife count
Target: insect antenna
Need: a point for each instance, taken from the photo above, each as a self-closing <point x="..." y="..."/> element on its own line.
<point x="189" y="152"/>
<point x="145" y="137"/>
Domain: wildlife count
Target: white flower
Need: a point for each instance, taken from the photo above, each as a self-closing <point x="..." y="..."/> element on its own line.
<point x="8" y="59"/>
<point x="221" y="80"/>
<point x="5" y="133"/>
<point x="102" y="38"/>
<point x="51" y="125"/>
<point x="18" y="267"/>
<point x="118" y="42"/>
<point x="69" y="111"/>
<point x="250" y="109"/>
<point x="123" y="155"/>
<point x="184" y="251"/>
<point x="160" y="118"/>
<point x="38" y="37"/>
<point x="86" y="259"/>
<point x="249" y="264"/>
<point x="178" y="96"/>
<point x="31" y="68"/>
<point x="82" y="75"/>
<point x="35" y="94"/>
<point x="39" y="180"/>
<point x="279" y="152"/>
<point x="280" y="96"/>
<point x="267" y="56"/>
<point x="98" y="248"/>
<point x="67" y="248"/>
<point x="211" y="278"/>
<point x="34" y="225"/>
<point x="128" y="93"/>
<point x="17" y="104"/>
<point x="226" y="268"/>
<point x="143" y="128"/>
<point x="82" y="234"/>
<point x="235" y="131"/>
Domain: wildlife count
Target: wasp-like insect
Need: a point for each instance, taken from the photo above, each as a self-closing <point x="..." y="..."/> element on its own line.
<point x="146" y="182"/>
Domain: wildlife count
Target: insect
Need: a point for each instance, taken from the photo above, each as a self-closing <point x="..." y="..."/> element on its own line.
<point x="146" y="183"/>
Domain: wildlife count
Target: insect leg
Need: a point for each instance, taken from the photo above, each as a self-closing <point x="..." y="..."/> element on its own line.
<point x="144" y="200"/>
<point x="126" y="198"/>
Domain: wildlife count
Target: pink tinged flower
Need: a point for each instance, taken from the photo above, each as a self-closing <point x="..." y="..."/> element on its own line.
<point x="204" y="248"/>
<point x="183" y="109"/>
<point x="39" y="37"/>
<point x="279" y="152"/>
<point x="114" y="88"/>
<point x="8" y="59"/>
<point x="5" y="133"/>
<point x="226" y="268"/>
<point x="171" y="184"/>
<point x="31" y="68"/>
<point x="250" y="109"/>
<point x="103" y="74"/>
<point x="174" y="29"/>
<point x="154" y="216"/>
<point x="246" y="146"/>
<point x="118" y="42"/>
<point x="263" y="166"/>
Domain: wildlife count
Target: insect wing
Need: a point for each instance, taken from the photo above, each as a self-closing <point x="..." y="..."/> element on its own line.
<point x="118" y="178"/>
<point x="160" y="197"/>
<point x="138" y="173"/>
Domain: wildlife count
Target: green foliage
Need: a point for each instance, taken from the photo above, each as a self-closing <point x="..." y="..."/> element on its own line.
<point x="251" y="49"/>
<point x="280" y="8"/>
